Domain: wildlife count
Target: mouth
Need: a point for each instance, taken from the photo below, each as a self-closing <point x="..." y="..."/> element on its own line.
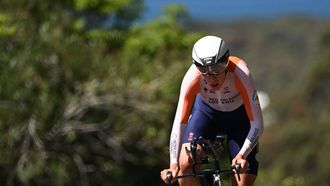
<point x="214" y="85"/>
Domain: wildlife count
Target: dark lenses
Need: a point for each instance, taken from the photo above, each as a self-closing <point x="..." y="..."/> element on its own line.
<point x="217" y="68"/>
<point x="212" y="69"/>
<point x="203" y="69"/>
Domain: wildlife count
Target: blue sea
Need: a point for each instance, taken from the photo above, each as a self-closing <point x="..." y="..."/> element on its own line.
<point x="226" y="10"/>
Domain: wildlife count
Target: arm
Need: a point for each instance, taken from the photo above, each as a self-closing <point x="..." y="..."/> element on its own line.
<point x="245" y="84"/>
<point x="189" y="88"/>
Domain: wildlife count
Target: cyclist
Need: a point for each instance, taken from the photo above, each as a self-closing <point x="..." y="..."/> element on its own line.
<point x="217" y="95"/>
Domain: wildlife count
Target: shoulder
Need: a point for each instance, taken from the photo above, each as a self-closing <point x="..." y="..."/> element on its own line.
<point x="191" y="82"/>
<point x="192" y="76"/>
<point x="192" y="73"/>
<point x="237" y="64"/>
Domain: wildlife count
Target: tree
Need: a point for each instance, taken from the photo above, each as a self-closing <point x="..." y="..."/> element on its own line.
<point x="82" y="91"/>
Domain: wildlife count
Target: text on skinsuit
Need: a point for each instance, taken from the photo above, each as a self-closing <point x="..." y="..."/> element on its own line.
<point x="173" y="146"/>
<point x="214" y="100"/>
<point x="229" y="100"/>
<point x="254" y="138"/>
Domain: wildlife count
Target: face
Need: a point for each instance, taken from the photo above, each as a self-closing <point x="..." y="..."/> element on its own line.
<point x="214" y="81"/>
<point x="213" y="75"/>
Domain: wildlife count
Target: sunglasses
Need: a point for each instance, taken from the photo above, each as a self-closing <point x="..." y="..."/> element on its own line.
<point x="214" y="69"/>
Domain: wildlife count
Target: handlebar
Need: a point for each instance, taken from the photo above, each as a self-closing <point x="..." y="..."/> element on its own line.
<point x="206" y="144"/>
<point x="235" y="169"/>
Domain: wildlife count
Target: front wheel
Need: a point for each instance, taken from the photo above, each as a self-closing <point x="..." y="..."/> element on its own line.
<point x="216" y="180"/>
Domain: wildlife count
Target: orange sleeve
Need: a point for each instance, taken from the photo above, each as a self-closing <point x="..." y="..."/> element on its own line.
<point x="247" y="87"/>
<point x="245" y="97"/>
<point x="189" y="99"/>
<point x="190" y="87"/>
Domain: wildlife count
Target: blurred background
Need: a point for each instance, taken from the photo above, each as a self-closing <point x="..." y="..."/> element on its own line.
<point x="88" y="88"/>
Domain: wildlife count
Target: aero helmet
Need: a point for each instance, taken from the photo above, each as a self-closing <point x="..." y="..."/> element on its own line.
<point x="210" y="54"/>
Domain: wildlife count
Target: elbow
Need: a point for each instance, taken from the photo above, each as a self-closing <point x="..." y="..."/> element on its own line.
<point x="261" y="128"/>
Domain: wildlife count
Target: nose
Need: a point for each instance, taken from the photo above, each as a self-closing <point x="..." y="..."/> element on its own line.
<point x="212" y="76"/>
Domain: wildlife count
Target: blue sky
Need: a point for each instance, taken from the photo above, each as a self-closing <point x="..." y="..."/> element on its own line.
<point x="226" y="10"/>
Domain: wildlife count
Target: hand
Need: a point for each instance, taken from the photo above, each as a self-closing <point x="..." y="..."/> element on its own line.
<point x="174" y="169"/>
<point x="240" y="160"/>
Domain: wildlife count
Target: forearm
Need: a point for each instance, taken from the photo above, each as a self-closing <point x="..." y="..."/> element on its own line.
<point x="176" y="142"/>
<point x="252" y="138"/>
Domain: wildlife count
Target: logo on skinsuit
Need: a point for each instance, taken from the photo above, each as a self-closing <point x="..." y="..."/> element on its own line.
<point x="191" y="136"/>
<point x="255" y="98"/>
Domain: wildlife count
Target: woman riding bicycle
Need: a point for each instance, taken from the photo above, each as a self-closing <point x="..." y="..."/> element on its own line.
<point x="217" y="95"/>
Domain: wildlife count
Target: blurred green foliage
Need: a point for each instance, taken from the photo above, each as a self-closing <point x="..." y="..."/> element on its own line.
<point x="88" y="95"/>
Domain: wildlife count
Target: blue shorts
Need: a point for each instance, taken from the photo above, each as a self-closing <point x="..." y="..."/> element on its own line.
<point x="208" y="122"/>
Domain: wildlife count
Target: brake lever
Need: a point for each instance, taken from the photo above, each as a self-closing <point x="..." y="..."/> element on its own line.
<point x="169" y="177"/>
<point x="237" y="170"/>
